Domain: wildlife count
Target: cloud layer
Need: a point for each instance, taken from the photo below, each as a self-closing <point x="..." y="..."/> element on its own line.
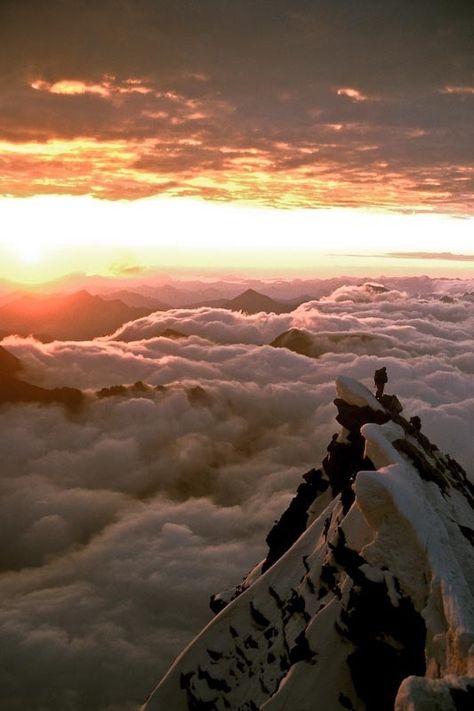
<point x="352" y="106"/>
<point x="122" y="519"/>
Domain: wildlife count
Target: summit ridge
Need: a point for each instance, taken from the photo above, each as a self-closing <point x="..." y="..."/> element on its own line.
<point x="364" y="600"/>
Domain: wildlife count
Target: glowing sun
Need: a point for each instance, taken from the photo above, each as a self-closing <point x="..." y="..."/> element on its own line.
<point x="28" y="253"/>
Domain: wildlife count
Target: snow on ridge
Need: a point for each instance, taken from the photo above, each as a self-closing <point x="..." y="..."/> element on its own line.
<point x="370" y="607"/>
<point x="354" y="393"/>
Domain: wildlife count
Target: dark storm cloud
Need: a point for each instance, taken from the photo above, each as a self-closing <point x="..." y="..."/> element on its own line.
<point x="372" y="92"/>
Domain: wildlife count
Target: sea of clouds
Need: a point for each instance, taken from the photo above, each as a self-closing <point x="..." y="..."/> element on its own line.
<point x="120" y="520"/>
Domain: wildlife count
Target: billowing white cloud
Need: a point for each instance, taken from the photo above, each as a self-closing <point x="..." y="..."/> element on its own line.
<point x="123" y="518"/>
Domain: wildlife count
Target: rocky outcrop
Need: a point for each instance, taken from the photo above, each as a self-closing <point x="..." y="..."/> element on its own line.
<point x="296" y="340"/>
<point x="364" y="600"/>
<point x="195" y="393"/>
<point x="315" y="345"/>
<point x="14" y="389"/>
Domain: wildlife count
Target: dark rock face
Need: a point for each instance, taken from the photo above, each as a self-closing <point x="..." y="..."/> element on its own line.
<point x="352" y="417"/>
<point x="389" y="640"/>
<point x="293" y="521"/>
<point x="463" y="699"/>
<point x="392" y="404"/>
<point x="216" y="604"/>
<point x="343" y="461"/>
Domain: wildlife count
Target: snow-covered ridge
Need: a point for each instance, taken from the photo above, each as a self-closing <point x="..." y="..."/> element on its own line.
<point x="365" y="600"/>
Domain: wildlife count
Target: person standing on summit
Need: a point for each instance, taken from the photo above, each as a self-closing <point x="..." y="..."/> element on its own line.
<point x="380" y="379"/>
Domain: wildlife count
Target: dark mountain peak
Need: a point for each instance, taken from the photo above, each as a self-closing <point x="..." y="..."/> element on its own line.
<point x="295" y="340"/>
<point x="251" y="302"/>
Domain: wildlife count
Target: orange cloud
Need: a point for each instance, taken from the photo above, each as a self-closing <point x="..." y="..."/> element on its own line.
<point x="69" y="87"/>
<point x="353" y="94"/>
<point x="147" y="140"/>
<point x="106" y="88"/>
<point x="463" y="90"/>
<point x="308" y="175"/>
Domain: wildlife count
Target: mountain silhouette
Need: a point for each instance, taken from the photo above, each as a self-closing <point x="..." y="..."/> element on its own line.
<point x="77" y="316"/>
<point x="249" y="302"/>
<point x="14" y="389"/>
<point x="133" y="298"/>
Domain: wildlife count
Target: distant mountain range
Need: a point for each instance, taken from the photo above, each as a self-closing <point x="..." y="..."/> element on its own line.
<point x="82" y="316"/>
<point x="133" y="298"/>
<point x="249" y="302"/>
<point x="78" y="316"/>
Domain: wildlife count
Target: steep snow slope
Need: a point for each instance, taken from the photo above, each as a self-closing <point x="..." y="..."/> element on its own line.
<point x="365" y="600"/>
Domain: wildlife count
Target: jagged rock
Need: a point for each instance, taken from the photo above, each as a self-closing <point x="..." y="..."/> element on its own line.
<point x="415" y="424"/>
<point x="352" y="417"/>
<point x="112" y="391"/>
<point x="392" y="404"/>
<point x="217" y="603"/>
<point x="293" y="521"/>
<point x="364" y="601"/>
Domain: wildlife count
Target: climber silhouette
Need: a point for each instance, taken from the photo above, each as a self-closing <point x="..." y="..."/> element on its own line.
<point x="380" y="378"/>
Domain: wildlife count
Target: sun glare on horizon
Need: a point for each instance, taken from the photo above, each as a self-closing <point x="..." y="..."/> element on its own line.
<point x="48" y="237"/>
<point x="28" y="252"/>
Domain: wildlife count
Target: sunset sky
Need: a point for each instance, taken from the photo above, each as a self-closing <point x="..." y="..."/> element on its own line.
<point x="255" y="134"/>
